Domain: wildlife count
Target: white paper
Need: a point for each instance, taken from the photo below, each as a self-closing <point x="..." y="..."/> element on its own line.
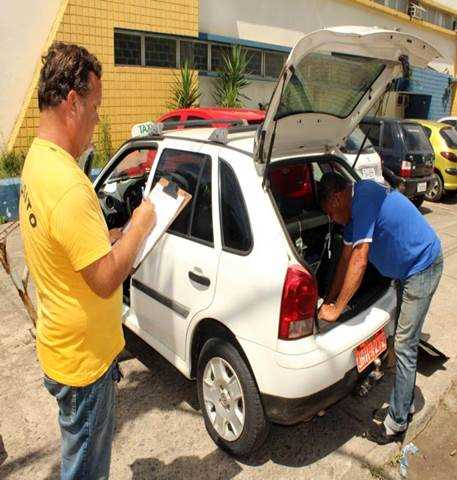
<point x="166" y="207"/>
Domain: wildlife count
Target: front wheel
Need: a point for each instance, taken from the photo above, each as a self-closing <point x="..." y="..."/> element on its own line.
<point x="437" y="191"/>
<point x="229" y="399"/>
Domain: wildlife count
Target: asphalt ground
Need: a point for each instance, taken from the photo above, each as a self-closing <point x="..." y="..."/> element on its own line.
<point x="160" y="432"/>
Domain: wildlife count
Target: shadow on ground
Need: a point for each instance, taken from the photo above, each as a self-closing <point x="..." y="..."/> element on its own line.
<point x="165" y="388"/>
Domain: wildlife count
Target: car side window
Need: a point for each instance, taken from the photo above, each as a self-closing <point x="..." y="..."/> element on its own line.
<point x="235" y="227"/>
<point x="202" y="218"/>
<point x="185" y="169"/>
<point x="373" y="131"/>
<point x="175" y="118"/>
<point x="387" y="136"/>
<point x="192" y="118"/>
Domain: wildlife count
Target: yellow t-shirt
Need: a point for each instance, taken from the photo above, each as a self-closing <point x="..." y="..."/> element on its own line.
<point x="63" y="230"/>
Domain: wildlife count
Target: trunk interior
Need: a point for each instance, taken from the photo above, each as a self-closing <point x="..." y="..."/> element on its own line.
<point x="316" y="241"/>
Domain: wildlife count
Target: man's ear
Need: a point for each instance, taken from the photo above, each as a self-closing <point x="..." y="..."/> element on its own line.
<point x="72" y="102"/>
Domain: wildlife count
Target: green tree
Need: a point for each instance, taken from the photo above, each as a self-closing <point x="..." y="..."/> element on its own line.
<point x="185" y="92"/>
<point x="104" y="147"/>
<point x="232" y="79"/>
<point x="11" y="163"/>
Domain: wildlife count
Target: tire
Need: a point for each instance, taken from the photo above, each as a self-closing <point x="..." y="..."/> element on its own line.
<point x="231" y="384"/>
<point x="418" y="201"/>
<point x="437" y="190"/>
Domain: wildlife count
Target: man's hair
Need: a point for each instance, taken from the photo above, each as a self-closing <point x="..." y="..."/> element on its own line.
<point x="65" y="67"/>
<point x="330" y="184"/>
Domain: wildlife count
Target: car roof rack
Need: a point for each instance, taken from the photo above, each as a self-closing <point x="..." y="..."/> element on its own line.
<point x="151" y="130"/>
<point x="220" y="135"/>
<point x="155" y="129"/>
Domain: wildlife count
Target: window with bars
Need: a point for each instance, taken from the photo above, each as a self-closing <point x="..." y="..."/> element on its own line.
<point x="429" y="14"/>
<point x="155" y="50"/>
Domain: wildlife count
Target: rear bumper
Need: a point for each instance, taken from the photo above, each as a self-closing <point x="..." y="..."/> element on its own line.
<point x="408" y="186"/>
<point x="289" y="411"/>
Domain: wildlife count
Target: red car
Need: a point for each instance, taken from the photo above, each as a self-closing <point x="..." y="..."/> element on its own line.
<point x="252" y="116"/>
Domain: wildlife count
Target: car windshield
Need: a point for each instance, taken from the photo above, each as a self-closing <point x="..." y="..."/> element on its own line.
<point x="354" y="142"/>
<point x="329" y="83"/>
<point x="415" y="138"/>
<point x="450" y="137"/>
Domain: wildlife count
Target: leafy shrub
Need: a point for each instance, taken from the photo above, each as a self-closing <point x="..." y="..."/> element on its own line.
<point x="104" y="148"/>
<point x="232" y="79"/>
<point x="185" y="92"/>
<point x="11" y="163"/>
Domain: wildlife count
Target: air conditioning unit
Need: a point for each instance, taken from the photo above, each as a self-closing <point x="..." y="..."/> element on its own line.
<point x="416" y="11"/>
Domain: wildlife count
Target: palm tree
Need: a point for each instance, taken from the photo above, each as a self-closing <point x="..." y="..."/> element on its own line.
<point x="232" y="79"/>
<point x="185" y="91"/>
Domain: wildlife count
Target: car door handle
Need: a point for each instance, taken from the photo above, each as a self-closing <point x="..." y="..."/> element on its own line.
<point x="202" y="280"/>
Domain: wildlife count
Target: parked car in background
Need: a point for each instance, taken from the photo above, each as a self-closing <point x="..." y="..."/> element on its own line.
<point x="368" y="166"/>
<point x="250" y="116"/>
<point x="406" y="153"/>
<point x="449" y="120"/>
<point x="443" y="138"/>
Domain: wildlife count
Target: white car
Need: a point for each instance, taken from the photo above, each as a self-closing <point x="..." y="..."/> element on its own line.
<point x="367" y="163"/>
<point x="449" y="120"/>
<point x="229" y="294"/>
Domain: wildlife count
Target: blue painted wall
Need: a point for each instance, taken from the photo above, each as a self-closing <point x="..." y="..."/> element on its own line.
<point x="9" y="198"/>
<point x="428" y="82"/>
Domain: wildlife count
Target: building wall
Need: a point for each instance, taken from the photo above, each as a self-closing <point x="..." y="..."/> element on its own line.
<point x="265" y="22"/>
<point x="18" y="55"/>
<point x="435" y="84"/>
<point x="131" y="94"/>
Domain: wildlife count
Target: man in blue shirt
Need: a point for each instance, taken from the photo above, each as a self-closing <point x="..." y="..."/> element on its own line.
<point x="386" y="229"/>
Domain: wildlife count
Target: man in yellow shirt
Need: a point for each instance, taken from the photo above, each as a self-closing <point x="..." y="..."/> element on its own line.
<point x="78" y="274"/>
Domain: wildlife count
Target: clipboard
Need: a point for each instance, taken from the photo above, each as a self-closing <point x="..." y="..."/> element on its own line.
<point x="169" y="201"/>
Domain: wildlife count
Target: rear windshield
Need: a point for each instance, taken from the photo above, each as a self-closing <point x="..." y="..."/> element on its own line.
<point x="354" y="142"/>
<point x="415" y="138"/>
<point x="329" y="83"/>
<point x="450" y="137"/>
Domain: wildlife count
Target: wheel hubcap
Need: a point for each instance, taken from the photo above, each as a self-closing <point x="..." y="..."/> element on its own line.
<point x="224" y="399"/>
<point x="435" y="188"/>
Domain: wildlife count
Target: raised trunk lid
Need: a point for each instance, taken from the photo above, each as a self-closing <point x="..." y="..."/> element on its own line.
<point x="329" y="83"/>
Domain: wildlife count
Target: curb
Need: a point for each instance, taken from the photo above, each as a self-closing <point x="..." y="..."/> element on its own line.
<point x="380" y="455"/>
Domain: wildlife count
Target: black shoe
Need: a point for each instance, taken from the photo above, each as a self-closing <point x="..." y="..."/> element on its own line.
<point x="380" y="414"/>
<point x="377" y="434"/>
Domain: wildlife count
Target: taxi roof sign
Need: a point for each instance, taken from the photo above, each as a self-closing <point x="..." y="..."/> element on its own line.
<point x="147" y="129"/>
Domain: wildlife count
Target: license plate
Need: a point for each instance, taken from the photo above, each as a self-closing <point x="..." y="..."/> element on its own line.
<point x="368" y="173"/>
<point x="370" y="350"/>
<point x="421" y="187"/>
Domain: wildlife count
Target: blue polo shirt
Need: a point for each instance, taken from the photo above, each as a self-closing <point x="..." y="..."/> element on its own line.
<point x="402" y="242"/>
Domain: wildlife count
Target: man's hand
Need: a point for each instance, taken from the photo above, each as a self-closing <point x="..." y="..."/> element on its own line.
<point x="144" y="217"/>
<point x="328" y="312"/>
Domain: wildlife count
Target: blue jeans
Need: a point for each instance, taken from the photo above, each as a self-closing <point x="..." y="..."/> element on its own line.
<point x="415" y="295"/>
<point x="86" y="419"/>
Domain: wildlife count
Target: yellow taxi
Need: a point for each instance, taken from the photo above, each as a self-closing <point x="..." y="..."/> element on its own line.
<point x="443" y="138"/>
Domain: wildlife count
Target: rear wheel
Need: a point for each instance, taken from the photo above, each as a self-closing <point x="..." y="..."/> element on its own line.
<point x="437" y="191"/>
<point x="229" y="399"/>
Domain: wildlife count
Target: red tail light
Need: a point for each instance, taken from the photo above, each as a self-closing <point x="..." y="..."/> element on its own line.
<point x="452" y="157"/>
<point x="298" y="304"/>
<point x="405" y="170"/>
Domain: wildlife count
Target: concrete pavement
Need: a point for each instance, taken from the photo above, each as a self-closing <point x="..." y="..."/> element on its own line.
<point x="161" y="435"/>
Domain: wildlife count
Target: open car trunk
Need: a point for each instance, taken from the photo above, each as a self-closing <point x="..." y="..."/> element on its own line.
<point x="317" y="242"/>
